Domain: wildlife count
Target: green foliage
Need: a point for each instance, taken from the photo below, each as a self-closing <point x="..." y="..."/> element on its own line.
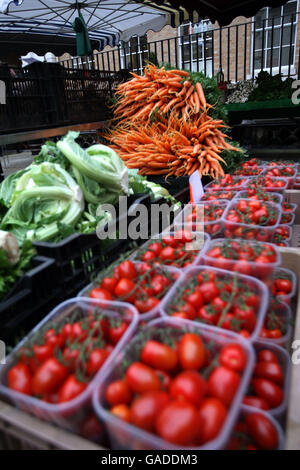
<point x="233" y="159"/>
<point x="10" y="274"/>
<point x="271" y="88"/>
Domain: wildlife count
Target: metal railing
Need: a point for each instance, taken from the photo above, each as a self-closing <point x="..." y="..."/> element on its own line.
<point x="241" y="51"/>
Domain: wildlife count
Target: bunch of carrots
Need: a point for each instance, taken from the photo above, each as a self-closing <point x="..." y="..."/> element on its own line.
<point x="164" y="127"/>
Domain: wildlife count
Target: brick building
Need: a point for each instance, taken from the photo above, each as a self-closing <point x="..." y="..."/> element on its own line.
<point x="269" y="41"/>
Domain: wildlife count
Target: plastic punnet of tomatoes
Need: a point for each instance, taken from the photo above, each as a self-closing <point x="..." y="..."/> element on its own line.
<point x="288" y="207"/>
<point x="173" y="248"/>
<point x="259" y="194"/>
<point x="252" y="258"/>
<point x="280" y="163"/>
<point x="277" y="326"/>
<point x="142" y="284"/>
<point x="287" y="218"/>
<point x="218" y="195"/>
<point x="270" y="382"/>
<point x="224" y="299"/>
<point x="267" y="183"/>
<point x="256" y="430"/>
<point x="251" y="220"/>
<point x="206" y="215"/>
<point x="254" y="170"/>
<point x="52" y="372"/>
<point x="283" y="285"/>
<point x="282" y="235"/>
<point x="287" y="172"/>
<point x="175" y="385"/>
<point x="227" y="183"/>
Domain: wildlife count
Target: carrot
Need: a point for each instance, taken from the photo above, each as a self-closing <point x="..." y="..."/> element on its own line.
<point x="197" y="102"/>
<point x="201" y="95"/>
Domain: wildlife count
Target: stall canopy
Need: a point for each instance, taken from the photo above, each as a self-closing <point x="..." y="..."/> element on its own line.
<point x="107" y="21"/>
<point x="223" y="11"/>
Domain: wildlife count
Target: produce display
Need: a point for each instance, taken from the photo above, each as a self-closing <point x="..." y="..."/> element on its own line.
<point x="281" y="235"/>
<point x="141" y="284"/>
<point x="217" y="195"/>
<point x="246" y="257"/>
<point x="282" y="285"/>
<point x="288" y="173"/>
<point x="227" y="183"/>
<point x="206" y="216"/>
<point x="165" y="126"/>
<point x="217" y="297"/>
<point x="252" y="220"/>
<point x="173" y="249"/>
<point x="178" y="384"/>
<point x="268" y="183"/>
<point x="277" y="325"/>
<point x="259" y="194"/>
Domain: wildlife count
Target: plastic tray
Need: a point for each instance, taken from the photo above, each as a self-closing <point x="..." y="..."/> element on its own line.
<point x="246" y="410"/>
<point x="260" y="270"/>
<point x="242" y="179"/>
<point x="29" y="300"/>
<point x="278" y="198"/>
<point x="224" y="195"/>
<point x="126" y="436"/>
<point x="286" y="240"/>
<point x="70" y="414"/>
<point x="285" y="362"/>
<point x="258" y="287"/>
<point x="275" y="189"/>
<point x="293" y="278"/>
<point x="231" y="227"/>
<point x="202" y="236"/>
<point x="80" y="256"/>
<point x="282" y="222"/>
<point x="144" y="316"/>
<point x="294" y="208"/>
<point x="285" y="314"/>
<point x="213" y="228"/>
<point x="290" y="179"/>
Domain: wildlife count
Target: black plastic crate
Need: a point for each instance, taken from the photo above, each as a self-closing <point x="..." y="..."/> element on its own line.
<point x="80" y="257"/>
<point x="32" y="297"/>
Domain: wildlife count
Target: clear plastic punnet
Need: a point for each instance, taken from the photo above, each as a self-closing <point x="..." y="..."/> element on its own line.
<point x="70" y="414"/>
<point x="259" y="182"/>
<point x="287" y="218"/>
<point x="248" y="410"/>
<point x="283" y="273"/>
<point x="277" y="237"/>
<point x="127" y="436"/>
<point x="251" y="231"/>
<point x="201" y="239"/>
<point x="239" y="182"/>
<point x="154" y="312"/>
<point x="238" y="282"/>
<point x="202" y="212"/>
<point x="276" y="198"/>
<point x="289" y="177"/>
<point x="278" y="316"/>
<point x="228" y="250"/>
<point x="284" y="360"/>
<point x="218" y="195"/>
<point x="293" y="208"/>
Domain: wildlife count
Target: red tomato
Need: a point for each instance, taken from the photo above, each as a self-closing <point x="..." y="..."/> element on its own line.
<point x="191" y="351"/>
<point x="266" y="355"/>
<point x="91" y="428"/>
<point x="100" y="294"/>
<point x="48" y="377"/>
<point x="209" y="291"/>
<point x="269" y="370"/>
<point x="212" y="414"/>
<point x="148" y="256"/>
<point x="159" y="355"/>
<point x="42" y="352"/>
<point x="118" y="392"/>
<point x="256" y="402"/>
<point x="142" y="378"/>
<point x="109" y="284"/>
<point x="96" y="360"/>
<point x="189" y="386"/>
<point x="122" y="411"/>
<point x="155" y="247"/>
<point x="115" y="333"/>
<point x="178" y="423"/>
<point x="234" y="357"/>
<point x="147" y="304"/>
<point x="125" y="289"/>
<point x="223" y="384"/>
<point x="196" y="299"/>
<point x="145" y="408"/>
<point x="70" y="389"/>
<point x="167" y="254"/>
<point x="262" y="431"/>
<point x="19" y="378"/>
<point x="268" y="390"/>
<point x="127" y="270"/>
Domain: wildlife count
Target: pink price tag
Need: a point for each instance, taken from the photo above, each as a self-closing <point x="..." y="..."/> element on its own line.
<point x="196" y="187"/>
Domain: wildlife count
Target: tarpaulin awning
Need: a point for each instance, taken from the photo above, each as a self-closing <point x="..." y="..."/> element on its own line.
<point x="223" y="11"/>
<point x="107" y="21"/>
